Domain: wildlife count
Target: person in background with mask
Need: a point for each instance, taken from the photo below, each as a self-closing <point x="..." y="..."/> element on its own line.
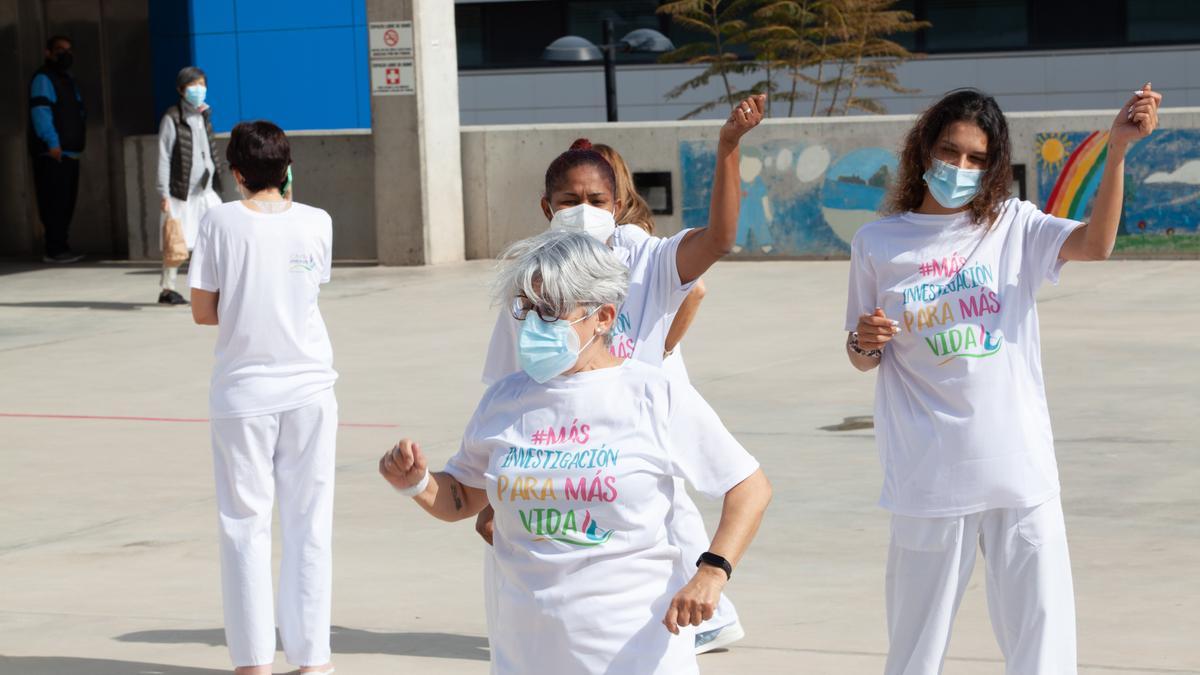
<point x="635" y="222"/>
<point x="941" y="301"/>
<point x="256" y="274"/>
<point x="581" y="196"/>
<point x="579" y="452"/>
<point x="58" y="133"/>
<point x="189" y="177"/>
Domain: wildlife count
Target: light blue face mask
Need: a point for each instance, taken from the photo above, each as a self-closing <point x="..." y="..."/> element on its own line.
<point x="951" y="186"/>
<point x="548" y="349"/>
<point x="195" y="94"/>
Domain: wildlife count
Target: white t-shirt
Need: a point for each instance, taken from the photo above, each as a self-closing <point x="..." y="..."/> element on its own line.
<point x="581" y="473"/>
<point x="630" y="236"/>
<point x="273" y="353"/>
<point x="960" y="405"/>
<point x="640" y="331"/>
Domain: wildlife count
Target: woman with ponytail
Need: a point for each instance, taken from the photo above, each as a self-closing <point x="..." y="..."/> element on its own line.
<point x="636" y="223"/>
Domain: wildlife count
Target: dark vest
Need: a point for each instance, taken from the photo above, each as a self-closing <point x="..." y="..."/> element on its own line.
<point x="181" y="153"/>
<point x="69" y="115"/>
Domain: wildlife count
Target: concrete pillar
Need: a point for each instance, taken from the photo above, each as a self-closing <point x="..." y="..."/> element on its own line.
<point x="418" y="168"/>
<point x="22" y="38"/>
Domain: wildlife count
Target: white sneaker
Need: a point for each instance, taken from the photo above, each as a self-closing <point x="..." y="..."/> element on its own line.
<point x="719" y="637"/>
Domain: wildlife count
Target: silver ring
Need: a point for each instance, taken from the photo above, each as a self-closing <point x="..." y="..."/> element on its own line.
<point x="746" y="111"/>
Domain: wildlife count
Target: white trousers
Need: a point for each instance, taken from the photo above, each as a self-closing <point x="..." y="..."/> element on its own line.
<point x="1030" y="596"/>
<point x="685" y="530"/>
<point x="289" y="456"/>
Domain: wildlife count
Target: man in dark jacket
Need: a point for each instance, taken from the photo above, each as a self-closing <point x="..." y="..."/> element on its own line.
<point x="57" y="136"/>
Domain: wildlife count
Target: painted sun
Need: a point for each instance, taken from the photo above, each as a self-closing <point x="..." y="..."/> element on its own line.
<point x="1053" y="149"/>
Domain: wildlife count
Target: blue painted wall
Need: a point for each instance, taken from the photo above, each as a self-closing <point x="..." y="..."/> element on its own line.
<point x="300" y="63"/>
<point x="799" y="199"/>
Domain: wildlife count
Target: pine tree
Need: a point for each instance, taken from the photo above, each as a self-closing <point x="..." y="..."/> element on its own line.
<point x="782" y="35"/>
<point x="788" y="39"/>
<point x="866" y="58"/>
<point x="722" y="22"/>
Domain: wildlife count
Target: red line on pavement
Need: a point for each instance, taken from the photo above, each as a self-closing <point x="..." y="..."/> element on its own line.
<point x="125" y="418"/>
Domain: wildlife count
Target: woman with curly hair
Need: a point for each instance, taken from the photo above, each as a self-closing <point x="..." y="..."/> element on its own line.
<point x="941" y="301"/>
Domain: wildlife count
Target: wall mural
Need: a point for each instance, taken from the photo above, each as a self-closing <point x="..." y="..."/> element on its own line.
<point x="1162" y="186"/>
<point x="806" y="200"/>
<point x="798" y="199"/>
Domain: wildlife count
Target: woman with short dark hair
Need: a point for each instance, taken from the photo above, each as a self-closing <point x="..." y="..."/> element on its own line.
<point x="256" y="274"/>
<point x="189" y="177"/>
<point x="942" y="302"/>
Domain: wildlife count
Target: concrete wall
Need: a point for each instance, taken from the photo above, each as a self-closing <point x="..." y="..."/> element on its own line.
<point x="332" y="170"/>
<point x="1081" y="79"/>
<point x="792" y="170"/>
<point x="20" y="52"/>
<point x="807" y="209"/>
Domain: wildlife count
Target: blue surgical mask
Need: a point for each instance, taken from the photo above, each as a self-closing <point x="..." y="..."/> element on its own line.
<point x="195" y="94"/>
<point x="950" y="185"/>
<point x="548" y="349"/>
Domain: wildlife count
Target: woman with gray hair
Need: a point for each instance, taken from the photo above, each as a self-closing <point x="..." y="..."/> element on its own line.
<point x="577" y="452"/>
<point x="188" y="178"/>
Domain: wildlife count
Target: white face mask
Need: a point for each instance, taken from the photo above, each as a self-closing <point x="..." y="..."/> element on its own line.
<point x="585" y="218"/>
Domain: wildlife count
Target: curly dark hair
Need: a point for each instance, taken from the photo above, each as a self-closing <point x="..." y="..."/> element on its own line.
<point x="960" y="105"/>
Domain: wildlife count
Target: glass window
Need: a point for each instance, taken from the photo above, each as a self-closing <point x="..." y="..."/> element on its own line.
<point x="468" y="28"/>
<point x="1163" y="21"/>
<point x="1065" y="24"/>
<point x="507" y="34"/>
<point x="584" y="18"/>
<point x="967" y="25"/>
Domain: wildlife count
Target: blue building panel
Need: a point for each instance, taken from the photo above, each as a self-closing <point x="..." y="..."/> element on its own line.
<point x="300" y="63"/>
<point x="301" y="79"/>
<point x="213" y="16"/>
<point x="255" y="15"/>
<point x="217" y="55"/>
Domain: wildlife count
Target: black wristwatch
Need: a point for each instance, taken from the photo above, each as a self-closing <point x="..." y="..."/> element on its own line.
<point x="710" y="558"/>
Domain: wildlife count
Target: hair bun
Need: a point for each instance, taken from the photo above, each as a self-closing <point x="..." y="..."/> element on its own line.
<point x="581" y="144"/>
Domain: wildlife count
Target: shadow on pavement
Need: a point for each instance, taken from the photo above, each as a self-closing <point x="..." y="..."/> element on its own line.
<point x="68" y="665"/>
<point x="83" y="304"/>
<point x="345" y="641"/>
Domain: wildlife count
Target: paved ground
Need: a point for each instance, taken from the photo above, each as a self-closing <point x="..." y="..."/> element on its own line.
<point x="107" y="540"/>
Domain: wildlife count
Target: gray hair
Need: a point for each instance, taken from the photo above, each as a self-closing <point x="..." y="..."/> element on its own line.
<point x="189" y="75"/>
<point x="570" y="269"/>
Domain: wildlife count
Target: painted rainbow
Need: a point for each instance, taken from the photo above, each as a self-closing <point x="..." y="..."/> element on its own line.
<point x="1080" y="178"/>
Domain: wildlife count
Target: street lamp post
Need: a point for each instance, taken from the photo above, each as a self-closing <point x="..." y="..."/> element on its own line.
<point x="610" y="69"/>
<point x="574" y="49"/>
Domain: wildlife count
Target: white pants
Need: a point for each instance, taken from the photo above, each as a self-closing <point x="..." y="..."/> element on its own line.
<point x="685" y="530"/>
<point x="289" y="455"/>
<point x="166" y="280"/>
<point x="1031" y="600"/>
<point x="188" y="213"/>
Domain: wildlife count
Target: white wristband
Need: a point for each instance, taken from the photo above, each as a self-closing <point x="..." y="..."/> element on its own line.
<point x="414" y="490"/>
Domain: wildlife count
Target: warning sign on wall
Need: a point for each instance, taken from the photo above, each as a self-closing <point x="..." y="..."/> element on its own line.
<point x="393" y="78"/>
<point x="390" y="39"/>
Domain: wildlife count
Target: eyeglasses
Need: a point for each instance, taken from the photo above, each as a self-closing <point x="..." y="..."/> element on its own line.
<point x="522" y="306"/>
